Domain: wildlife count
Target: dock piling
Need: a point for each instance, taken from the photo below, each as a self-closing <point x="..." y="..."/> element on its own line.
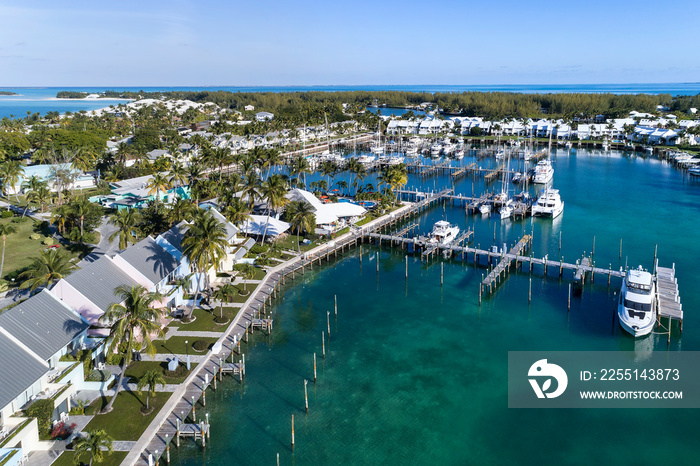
<point x="306" y="395"/>
<point x="314" y="367"/>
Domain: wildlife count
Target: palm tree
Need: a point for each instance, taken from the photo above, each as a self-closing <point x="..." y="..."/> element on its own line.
<point x="251" y="188"/>
<point x="159" y="182"/>
<point x="247" y="271"/>
<point x="181" y="210"/>
<point x="96" y="443"/>
<point x="10" y="174"/>
<point x="300" y="167"/>
<point x="273" y="190"/>
<point x="80" y="208"/>
<point x="178" y="174"/>
<point x="150" y="379"/>
<point x="5" y="229"/>
<point x="39" y="196"/>
<point x="133" y="320"/>
<point x="47" y="268"/>
<point x="302" y="217"/>
<point x="204" y="244"/>
<point x="125" y="220"/>
<point x="237" y="212"/>
<point x="223" y="293"/>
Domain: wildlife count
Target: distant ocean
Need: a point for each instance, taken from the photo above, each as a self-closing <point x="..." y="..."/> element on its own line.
<point x="40" y="99"/>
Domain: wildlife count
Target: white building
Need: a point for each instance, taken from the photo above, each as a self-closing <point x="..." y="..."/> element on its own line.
<point x="264" y="116"/>
<point x="329" y="217"/>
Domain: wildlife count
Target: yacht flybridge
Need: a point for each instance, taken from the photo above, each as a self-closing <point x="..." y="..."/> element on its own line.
<point x="636" y="309"/>
<point x="544" y="173"/>
<point x="549" y="204"/>
<point x="443" y="232"/>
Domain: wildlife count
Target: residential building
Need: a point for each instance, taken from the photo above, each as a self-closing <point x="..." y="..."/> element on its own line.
<point x="264" y="116"/>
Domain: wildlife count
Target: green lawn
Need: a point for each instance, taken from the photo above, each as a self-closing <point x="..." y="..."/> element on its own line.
<point x="126" y="422"/>
<point x="66" y="459"/>
<point x="21" y="249"/>
<point x="204" y="321"/>
<point x="290" y="242"/>
<point x="137" y="368"/>
<point x="259" y="273"/>
<point x="176" y="345"/>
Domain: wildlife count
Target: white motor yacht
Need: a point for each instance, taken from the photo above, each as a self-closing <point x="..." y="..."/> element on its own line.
<point x="507" y="210"/>
<point x="543" y="172"/>
<point x="435" y="149"/>
<point x="485" y="209"/>
<point x="636" y="309"/>
<point x="549" y="204"/>
<point x="443" y="232"/>
<point x="459" y="154"/>
<point x="394" y="160"/>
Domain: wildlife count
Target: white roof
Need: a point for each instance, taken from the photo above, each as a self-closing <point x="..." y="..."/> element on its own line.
<point x="326" y="213"/>
<point x="257" y="226"/>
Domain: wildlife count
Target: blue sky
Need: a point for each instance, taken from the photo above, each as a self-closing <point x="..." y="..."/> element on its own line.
<point x="266" y="42"/>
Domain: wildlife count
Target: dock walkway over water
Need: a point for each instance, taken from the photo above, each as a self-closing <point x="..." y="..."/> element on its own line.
<point x="503" y="265"/>
<point x="668" y="300"/>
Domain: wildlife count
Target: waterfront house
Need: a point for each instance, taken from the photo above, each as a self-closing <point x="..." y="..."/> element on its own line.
<point x="249" y="108"/>
<point x="134" y="193"/>
<point x="329" y="217"/>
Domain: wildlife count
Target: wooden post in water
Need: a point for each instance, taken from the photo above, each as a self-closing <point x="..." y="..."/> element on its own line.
<point x="561" y="266"/>
<point x="568" y="305"/>
<point x="314" y="367"/>
<point x="207" y="423"/>
<point x="177" y="432"/>
<point x="243" y="365"/>
<point x="323" y="343"/>
<point x="194" y="415"/>
<point x="406" y="267"/>
<point x="620" y="248"/>
<point x="529" y="293"/>
<point x="306" y="396"/>
<point x="654" y="263"/>
<point x="609" y="273"/>
<point x="335" y="299"/>
<point x="292" y="432"/>
<point x="377" y="263"/>
<point x="328" y="322"/>
<point x="442" y="272"/>
<point x="167" y="449"/>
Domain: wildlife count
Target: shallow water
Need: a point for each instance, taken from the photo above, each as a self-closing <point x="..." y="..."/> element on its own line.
<point x="415" y="372"/>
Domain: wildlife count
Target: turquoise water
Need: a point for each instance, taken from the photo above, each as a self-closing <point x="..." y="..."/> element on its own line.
<point x="416" y="372"/>
<point x="37" y="99"/>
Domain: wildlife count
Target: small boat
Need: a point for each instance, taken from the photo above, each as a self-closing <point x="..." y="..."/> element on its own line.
<point x="507" y="210"/>
<point x="377" y="149"/>
<point x="517" y="178"/>
<point x="636" y="309"/>
<point x="694" y="171"/>
<point x="485" y="209"/>
<point x="435" y="150"/>
<point x="443" y="232"/>
<point x="366" y="159"/>
<point x="549" y="204"/>
<point x="459" y="154"/>
<point x="543" y="172"/>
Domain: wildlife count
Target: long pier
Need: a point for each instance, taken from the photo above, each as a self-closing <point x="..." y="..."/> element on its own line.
<point x="503" y="265"/>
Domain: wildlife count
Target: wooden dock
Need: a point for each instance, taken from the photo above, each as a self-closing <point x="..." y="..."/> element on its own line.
<point x="503" y="266"/>
<point x="668" y="300"/>
<point x="493" y="174"/>
<point x="580" y="274"/>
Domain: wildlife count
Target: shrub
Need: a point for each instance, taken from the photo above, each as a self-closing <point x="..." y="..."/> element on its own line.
<point x="257" y="249"/>
<point x="42" y="410"/>
<point x="6" y="214"/>
<point x="48" y="241"/>
<point x="98" y="376"/>
<point x="62" y="431"/>
<point x="35" y="236"/>
<point x="200" y="345"/>
<point x="179" y="371"/>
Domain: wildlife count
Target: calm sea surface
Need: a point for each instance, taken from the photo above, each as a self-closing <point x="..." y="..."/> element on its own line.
<point x="38" y="99"/>
<point x="416" y="374"/>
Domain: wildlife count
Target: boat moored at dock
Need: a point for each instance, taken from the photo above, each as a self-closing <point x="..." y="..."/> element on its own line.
<point x="544" y="173"/>
<point x="636" y="309"/>
<point x="443" y="232"/>
<point x="549" y="204"/>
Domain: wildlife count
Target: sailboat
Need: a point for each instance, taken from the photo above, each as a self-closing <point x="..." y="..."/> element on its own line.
<point x="377" y="147"/>
<point x="508" y="205"/>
